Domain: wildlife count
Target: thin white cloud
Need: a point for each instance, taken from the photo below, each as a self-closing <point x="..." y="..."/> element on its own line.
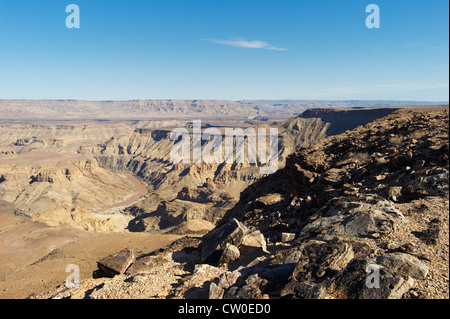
<point x="242" y="43"/>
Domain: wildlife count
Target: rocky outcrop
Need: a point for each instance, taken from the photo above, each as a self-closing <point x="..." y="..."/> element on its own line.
<point x="204" y="195"/>
<point x="405" y="264"/>
<point x="214" y="243"/>
<point x="177" y="214"/>
<point x="365" y="216"/>
<point x="434" y="184"/>
<point x="116" y="264"/>
<point x="341" y="120"/>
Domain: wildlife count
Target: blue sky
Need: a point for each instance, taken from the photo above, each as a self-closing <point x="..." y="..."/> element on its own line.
<point x="224" y="49"/>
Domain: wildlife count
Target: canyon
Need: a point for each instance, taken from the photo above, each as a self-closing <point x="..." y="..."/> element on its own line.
<point x="99" y="174"/>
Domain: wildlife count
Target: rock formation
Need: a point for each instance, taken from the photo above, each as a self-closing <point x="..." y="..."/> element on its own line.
<point x="64" y="190"/>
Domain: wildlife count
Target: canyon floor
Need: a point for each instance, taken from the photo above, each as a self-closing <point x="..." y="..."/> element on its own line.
<point x="35" y="257"/>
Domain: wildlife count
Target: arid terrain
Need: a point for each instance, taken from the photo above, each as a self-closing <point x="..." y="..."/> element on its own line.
<point x="171" y="109"/>
<point x="354" y="186"/>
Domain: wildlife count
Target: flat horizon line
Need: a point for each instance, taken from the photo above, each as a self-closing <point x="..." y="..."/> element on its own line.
<point x="230" y="100"/>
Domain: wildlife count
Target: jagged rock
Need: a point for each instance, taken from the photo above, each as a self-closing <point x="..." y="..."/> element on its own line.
<point x="250" y="290"/>
<point x="289" y="256"/>
<point x="285" y="237"/>
<point x="199" y="268"/>
<point x="215" y="292"/>
<point x="379" y="178"/>
<point x="228" y="279"/>
<point x="106" y="290"/>
<point x="431" y="235"/>
<point x="394" y="193"/>
<point x="317" y="261"/>
<point x="253" y="241"/>
<point x="229" y="254"/>
<point x="96" y="294"/>
<point x="304" y="176"/>
<point x="361" y="218"/>
<point x="203" y="195"/>
<point x="268" y="200"/>
<point x="215" y="241"/>
<point x="404" y="263"/>
<point x="436" y="184"/>
<point x="318" y="257"/>
<point x="306" y="290"/>
<point x="333" y="177"/>
<point x="352" y="283"/>
<point x="118" y="263"/>
<point x="177" y="211"/>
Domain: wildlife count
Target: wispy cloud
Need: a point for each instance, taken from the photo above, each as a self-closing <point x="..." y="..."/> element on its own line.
<point x="242" y="43"/>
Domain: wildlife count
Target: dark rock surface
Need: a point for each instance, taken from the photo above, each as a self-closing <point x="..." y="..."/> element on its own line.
<point x="117" y="263"/>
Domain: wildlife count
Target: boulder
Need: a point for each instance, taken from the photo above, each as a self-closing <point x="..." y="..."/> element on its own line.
<point x="318" y="257"/>
<point x="253" y="241"/>
<point x="305" y="290"/>
<point x="333" y="177"/>
<point x="317" y="261"/>
<point x="213" y="243"/>
<point x="118" y="263"/>
<point x="404" y="264"/>
<point x="215" y="292"/>
<point x="229" y="254"/>
<point x="228" y="279"/>
<point x="268" y="200"/>
<point x="431" y="235"/>
<point x="433" y="185"/>
<point x="352" y="283"/>
<point x="251" y="289"/>
<point x="366" y="217"/>
<point x="285" y="237"/>
<point x="394" y="193"/>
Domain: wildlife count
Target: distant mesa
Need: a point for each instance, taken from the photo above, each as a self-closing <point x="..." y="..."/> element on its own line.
<point x="260" y="110"/>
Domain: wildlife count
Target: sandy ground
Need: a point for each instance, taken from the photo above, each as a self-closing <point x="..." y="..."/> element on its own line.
<point x="34" y="257"/>
<point x="37" y="157"/>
